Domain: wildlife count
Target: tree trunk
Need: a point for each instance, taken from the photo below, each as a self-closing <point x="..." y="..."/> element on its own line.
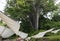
<point x="34" y="17"/>
<point x="36" y="21"/>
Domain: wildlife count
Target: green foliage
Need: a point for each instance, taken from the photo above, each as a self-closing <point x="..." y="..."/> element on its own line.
<point x="17" y="8"/>
<point x="55" y="37"/>
<point x="2" y="24"/>
<point x="26" y="27"/>
<point x="35" y="32"/>
<point x="23" y="8"/>
<point x="56" y="18"/>
<point x="46" y="39"/>
<point x="48" y="6"/>
<point x="49" y="38"/>
<point x="45" y="23"/>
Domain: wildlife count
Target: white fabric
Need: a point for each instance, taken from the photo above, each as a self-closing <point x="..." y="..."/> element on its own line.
<point x="41" y="34"/>
<point x="55" y="31"/>
<point x="1" y="29"/>
<point x="13" y="25"/>
<point x="22" y="35"/>
<point x="27" y="39"/>
<point x="7" y="33"/>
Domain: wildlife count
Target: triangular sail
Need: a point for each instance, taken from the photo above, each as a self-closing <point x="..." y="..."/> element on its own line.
<point x="13" y="25"/>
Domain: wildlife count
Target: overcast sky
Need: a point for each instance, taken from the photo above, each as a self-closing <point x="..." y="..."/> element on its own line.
<point x="3" y="3"/>
<point x="57" y="1"/>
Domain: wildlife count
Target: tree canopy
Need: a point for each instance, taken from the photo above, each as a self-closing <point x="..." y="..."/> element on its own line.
<point x="29" y="11"/>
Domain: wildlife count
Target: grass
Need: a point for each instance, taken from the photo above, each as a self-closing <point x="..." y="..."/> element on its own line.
<point x="49" y="38"/>
<point x="2" y="24"/>
<point x="54" y="37"/>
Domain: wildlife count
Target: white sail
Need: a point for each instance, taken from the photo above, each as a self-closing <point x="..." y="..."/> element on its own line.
<point x="2" y="28"/>
<point x="41" y="34"/>
<point x="13" y="25"/>
<point x="5" y="32"/>
<point x="55" y="31"/>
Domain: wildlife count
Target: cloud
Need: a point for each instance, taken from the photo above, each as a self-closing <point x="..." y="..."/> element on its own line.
<point x="57" y="1"/>
<point x="2" y="4"/>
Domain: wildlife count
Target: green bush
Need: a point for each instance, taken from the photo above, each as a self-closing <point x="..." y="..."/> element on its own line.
<point x="46" y="39"/>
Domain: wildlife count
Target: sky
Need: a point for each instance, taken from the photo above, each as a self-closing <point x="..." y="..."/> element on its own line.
<point x="3" y="4"/>
<point x="57" y="1"/>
